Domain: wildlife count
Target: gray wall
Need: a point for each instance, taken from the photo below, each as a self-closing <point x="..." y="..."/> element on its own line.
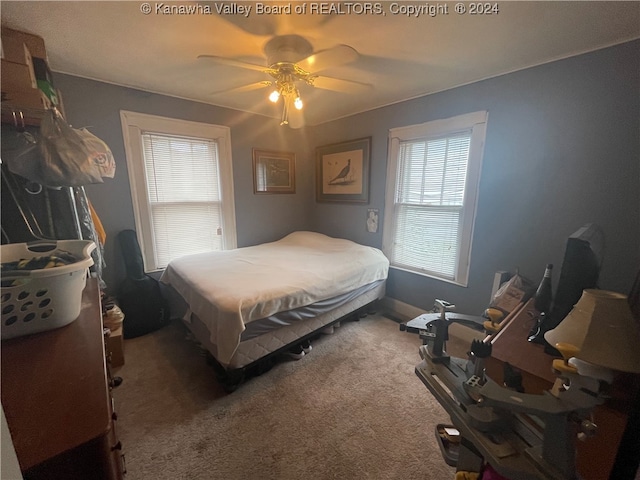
<point x="562" y="149"/>
<point x="259" y="218"/>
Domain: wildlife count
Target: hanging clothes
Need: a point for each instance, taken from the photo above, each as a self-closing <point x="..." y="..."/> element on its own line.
<point x="102" y="235"/>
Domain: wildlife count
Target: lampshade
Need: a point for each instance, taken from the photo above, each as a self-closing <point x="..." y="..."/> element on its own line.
<point x="603" y="328"/>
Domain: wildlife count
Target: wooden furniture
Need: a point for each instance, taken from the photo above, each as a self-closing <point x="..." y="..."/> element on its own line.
<point x="596" y="455"/>
<point x="510" y="345"/>
<point x="56" y="397"/>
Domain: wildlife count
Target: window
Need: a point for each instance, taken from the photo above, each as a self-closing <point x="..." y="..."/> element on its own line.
<point x="432" y="185"/>
<point x="182" y="186"/>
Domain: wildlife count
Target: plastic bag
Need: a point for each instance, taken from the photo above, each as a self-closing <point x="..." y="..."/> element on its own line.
<point x="21" y="150"/>
<point x="71" y="157"/>
<point x="58" y="155"/>
<point x="64" y="156"/>
<point x="511" y="293"/>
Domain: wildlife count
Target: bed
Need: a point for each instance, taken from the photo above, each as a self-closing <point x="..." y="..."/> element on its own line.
<point x="248" y="304"/>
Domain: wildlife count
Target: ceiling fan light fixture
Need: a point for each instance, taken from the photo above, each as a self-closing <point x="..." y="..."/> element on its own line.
<point x="274" y="96"/>
<point x="287" y="90"/>
<point x="292" y="61"/>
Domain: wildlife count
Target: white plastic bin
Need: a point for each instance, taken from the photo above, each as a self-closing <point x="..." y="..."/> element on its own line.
<point x="39" y="300"/>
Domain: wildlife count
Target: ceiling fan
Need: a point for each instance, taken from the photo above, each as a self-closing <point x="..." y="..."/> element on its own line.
<point x="291" y="61"/>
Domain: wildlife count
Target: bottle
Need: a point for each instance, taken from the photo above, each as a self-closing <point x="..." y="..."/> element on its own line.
<point x="544" y="296"/>
<point x="542" y="303"/>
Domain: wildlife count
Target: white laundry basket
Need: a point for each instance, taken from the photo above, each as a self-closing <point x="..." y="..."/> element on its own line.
<point x="43" y="299"/>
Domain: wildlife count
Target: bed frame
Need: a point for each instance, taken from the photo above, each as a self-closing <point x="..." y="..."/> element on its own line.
<point x="257" y="355"/>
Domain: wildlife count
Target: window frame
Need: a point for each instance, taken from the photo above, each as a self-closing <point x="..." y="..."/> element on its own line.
<point x="476" y="122"/>
<point x="134" y="125"/>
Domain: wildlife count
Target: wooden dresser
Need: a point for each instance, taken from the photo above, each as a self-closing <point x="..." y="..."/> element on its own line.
<point x="56" y="394"/>
<point x="596" y="456"/>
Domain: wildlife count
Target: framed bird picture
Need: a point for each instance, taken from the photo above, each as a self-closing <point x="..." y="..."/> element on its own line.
<point x="342" y="171"/>
<point x="274" y="172"/>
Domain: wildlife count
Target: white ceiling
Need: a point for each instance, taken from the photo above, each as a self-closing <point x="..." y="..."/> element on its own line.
<point x="402" y="57"/>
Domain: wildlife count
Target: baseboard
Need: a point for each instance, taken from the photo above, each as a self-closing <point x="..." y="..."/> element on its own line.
<point x="401" y="309"/>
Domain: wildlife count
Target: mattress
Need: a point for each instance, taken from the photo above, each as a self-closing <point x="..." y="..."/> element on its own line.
<point x="229" y="290"/>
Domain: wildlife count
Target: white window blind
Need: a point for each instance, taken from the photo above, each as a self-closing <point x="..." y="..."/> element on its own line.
<point x="184" y="195"/>
<point x="433" y="179"/>
<point x="181" y="185"/>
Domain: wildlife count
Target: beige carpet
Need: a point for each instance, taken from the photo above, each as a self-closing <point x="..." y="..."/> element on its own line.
<point x="351" y="409"/>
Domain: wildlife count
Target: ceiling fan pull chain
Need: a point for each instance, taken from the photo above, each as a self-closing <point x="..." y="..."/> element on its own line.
<point x="285" y="110"/>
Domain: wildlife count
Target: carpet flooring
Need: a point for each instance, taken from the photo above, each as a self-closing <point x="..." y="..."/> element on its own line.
<point x="351" y="409"/>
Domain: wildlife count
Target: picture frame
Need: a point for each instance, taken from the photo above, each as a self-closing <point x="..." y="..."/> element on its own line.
<point x="342" y="171"/>
<point x="273" y="172"/>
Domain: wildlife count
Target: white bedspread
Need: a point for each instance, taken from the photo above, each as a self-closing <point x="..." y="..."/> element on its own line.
<point x="229" y="289"/>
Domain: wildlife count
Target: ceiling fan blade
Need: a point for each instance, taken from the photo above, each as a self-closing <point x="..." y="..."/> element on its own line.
<point x="339" y="85"/>
<point x="246" y="88"/>
<point x="234" y="63"/>
<point x="331" y="57"/>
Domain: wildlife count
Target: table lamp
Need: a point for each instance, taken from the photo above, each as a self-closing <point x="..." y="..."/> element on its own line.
<point x="602" y="331"/>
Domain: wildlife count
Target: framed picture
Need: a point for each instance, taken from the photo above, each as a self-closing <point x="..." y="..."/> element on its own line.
<point x="342" y="171"/>
<point x="274" y="172"/>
